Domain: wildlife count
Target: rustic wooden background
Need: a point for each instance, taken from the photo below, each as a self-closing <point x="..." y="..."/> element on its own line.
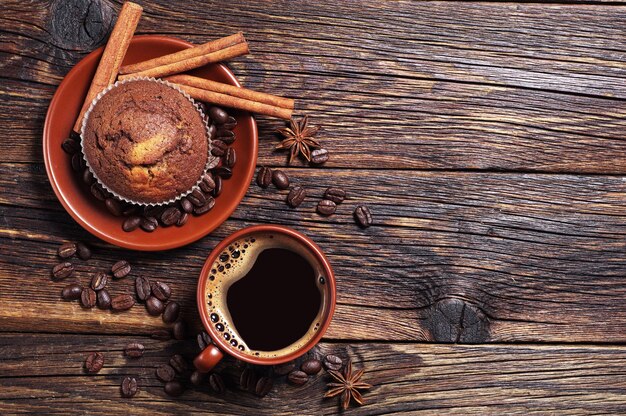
<point x="487" y="138"/>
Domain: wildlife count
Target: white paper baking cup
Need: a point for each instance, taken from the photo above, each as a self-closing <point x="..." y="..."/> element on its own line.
<point x="212" y="161"/>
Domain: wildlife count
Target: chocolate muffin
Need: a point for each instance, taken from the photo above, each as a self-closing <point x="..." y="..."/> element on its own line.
<point x="146" y="142"/>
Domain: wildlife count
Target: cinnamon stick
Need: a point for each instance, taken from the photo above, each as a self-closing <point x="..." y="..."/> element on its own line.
<point x="236" y="102"/>
<point x="231" y="90"/>
<point x="112" y="56"/>
<point x="206" y="48"/>
<point x="191" y="63"/>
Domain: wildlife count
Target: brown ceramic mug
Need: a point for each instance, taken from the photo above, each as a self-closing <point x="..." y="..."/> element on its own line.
<point x="217" y="313"/>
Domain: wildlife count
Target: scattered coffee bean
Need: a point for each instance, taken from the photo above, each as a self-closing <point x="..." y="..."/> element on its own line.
<point x="209" y="183"/>
<point x="332" y="362"/>
<point x="178" y="363"/>
<point x="153" y="211"/>
<point x="161" y="335"/>
<point x="130" y="210"/>
<point x="208" y="206"/>
<point x="263" y="386"/>
<point x="97" y="192"/>
<point x="94" y="362"/>
<point x="264" y="177"/>
<point x="337" y="195"/>
<point x="280" y="179"/>
<point x="74" y="135"/>
<point x="179" y="330"/>
<point x="142" y="287"/>
<point x="225" y="135"/>
<point x="284" y="369"/>
<point x="170" y="314"/>
<point x="296" y="196"/>
<point x="149" y="224"/>
<point x="363" y="216"/>
<point x="197" y="198"/>
<point x="204" y="340"/>
<point x="161" y="291"/>
<point x="122" y="303"/>
<point x="87" y="177"/>
<point x="62" y="270"/>
<point x="165" y="373"/>
<point x="70" y="146"/>
<point x="212" y="130"/>
<point x="197" y="378"/>
<point x="230" y="124"/>
<point x="103" y="299"/>
<point x="326" y="207"/>
<point x="173" y="388"/>
<point x="120" y="269"/>
<point x="230" y="157"/>
<point x="319" y="156"/>
<point x="218" y="115"/>
<point x="182" y="220"/>
<point x="170" y="216"/>
<point x="134" y="350"/>
<point x="88" y="298"/>
<point x="218" y="148"/>
<point x="218" y="186"/>
<point x="223" y="172"/>
<point x="185" y="205"/>
<point x="297" y="377"/>
<point x="99" y="281"/>
<point x="216" y="383"/>
<point x="67" y="250"/>
<point x="78" y="164"/>
<point x="129" y="387"/>
<point x="311" y="366"/>
<point x="83" y="251"/>
<point x="71" y="292"/>
<point x="154" y="306"/>
<point x="248" y="379"/>
<point x="114" y="206"/>
<point x="131" y="223"/>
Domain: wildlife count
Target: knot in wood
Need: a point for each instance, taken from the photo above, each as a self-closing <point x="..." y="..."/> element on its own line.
<point x="80" y="24"/>
<point x="455" y="320"/>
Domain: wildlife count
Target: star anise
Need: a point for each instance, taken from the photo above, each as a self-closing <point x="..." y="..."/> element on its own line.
<point x="348" y="385"/>
<point x="298" y="137"/>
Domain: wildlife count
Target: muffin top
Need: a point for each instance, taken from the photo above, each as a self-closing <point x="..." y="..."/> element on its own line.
<point x="146" y="142"/>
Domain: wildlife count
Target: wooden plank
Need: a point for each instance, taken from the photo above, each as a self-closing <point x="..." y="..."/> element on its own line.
<point x="453" y="257"/>
<point x="43" y="373"/>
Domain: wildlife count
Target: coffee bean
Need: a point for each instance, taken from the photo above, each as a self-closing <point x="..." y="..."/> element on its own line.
<point x="70" y="146"/>
<point x="122" y="303"/>
<point x="225" y="135"/>
<point x="113" y="206"/>
<point x="173" y="388"/>
<point x="319" y="156"/>
<point x="131" y="223"/>
<point x="230" y="157"/>
<point x="216" y="383"/>
<point x="337" y="195"/>
<point x="170" y="314"/>
<point x="185" y="205"/>
<point x="154" y="306"/>
<point x="170" y="216"/>
<point x="129" y="387"/>
<point x="297" y="378"/>
<point x="130" y="210"/>
<point x="161" y="335"/>
<point x="208" y="206"/>
<point x="332" y="362"/>
<point x="263" y="386"/>
<point x="218" y="115"/>
<point x="142" y="287"/>
<point x="149" y="224"/>
<point x="165" y="373"/>
<point x="196" y="378"/>
<point x="218" y="148"/>
<point x="99" y="281"/>
<point x="120" y="269"/>
<point x="218" y="186"/>
<point x="87" y="177"/>
<point x="134" y="350"/>
<point x="94" y="362"/>
<point x="62" y="270"/>
<point x="363" y="216"/>
<point x="284" y="369"/>
<point x="153" y="211"/>
<point x="104" y="299"/>
<point x="97" y="192"/>
<point x="197" y="198"/>
<point x="296" y="196"/>
<point x="83" y="251"/>
<point x="209" y="183"/>
<point x="280" y="179"/>
<point x="311" y="366"/>
<point x="178" y="363"/>
<point x="161" y="291"/>
<point x="204" y="340"/>
<point x="71" y="292"/>
<point x="67" y="250"/>
<point x="326" y="207"/>
<point x="74" y="135"/>
<point x="223" y="172"/>
<point x="179" y="330"/>
<point x="212" y="130"/>
<point x="264" y="177"/>
<point x="78" y="163"/>
<point x="230" y="124"/>
<point x="182" y="220"/>
<point x="248" y="379"/>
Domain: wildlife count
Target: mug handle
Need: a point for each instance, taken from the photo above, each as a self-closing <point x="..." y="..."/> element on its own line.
<point x="208" y="358"/>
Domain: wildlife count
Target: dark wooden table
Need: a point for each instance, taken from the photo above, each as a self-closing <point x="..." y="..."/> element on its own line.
<point x="487" y="138"/>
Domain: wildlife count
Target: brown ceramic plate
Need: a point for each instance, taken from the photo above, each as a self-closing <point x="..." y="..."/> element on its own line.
<point x="91" y="213"/>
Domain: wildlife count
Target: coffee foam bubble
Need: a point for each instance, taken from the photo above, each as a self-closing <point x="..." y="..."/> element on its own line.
<point x="233" y="264"/>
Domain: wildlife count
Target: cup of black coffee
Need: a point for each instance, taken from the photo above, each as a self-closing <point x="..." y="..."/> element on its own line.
<point x="266" y="295"/>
